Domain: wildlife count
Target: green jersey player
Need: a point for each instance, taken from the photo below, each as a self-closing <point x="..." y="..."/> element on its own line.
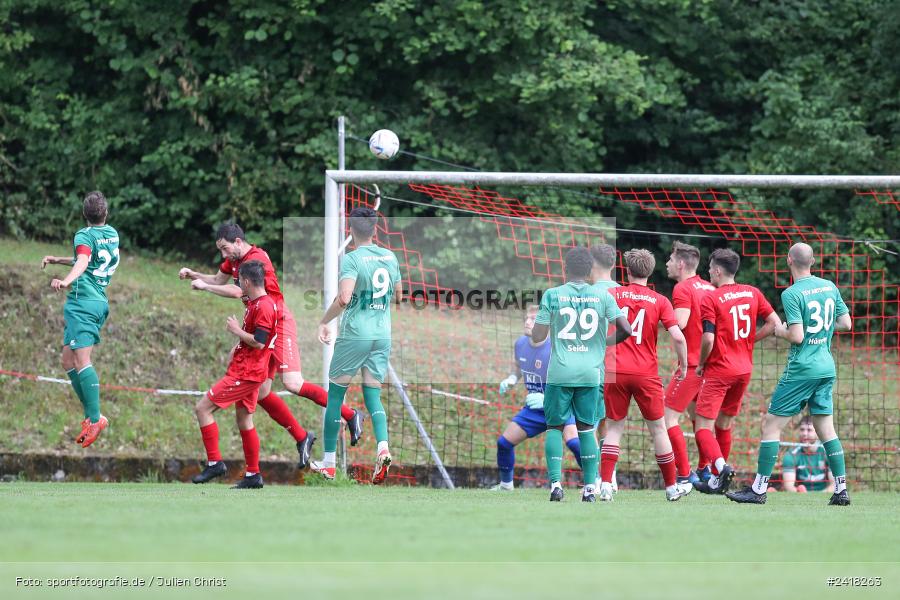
<point x="95" y="257"/>
<point x="814" y="310"/>
<point x="577" y="315"/>
<point x="368" y="282"/>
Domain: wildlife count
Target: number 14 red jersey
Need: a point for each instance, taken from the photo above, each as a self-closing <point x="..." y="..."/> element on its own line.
<point x="644" y="310"/>
<point x="734" y="309"/>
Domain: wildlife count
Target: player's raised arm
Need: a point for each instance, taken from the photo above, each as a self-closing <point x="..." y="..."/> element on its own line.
<point x="80" y="266"/>
<point x="57" y="260"/>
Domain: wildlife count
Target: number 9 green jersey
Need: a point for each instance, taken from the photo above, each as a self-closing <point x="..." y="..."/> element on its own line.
<point x="814" y="303"/>
<point x="103" y="243"/>
<point x="375" y="271"/>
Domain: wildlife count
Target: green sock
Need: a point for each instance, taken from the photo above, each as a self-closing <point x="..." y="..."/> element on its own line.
<point x="553" y="450"/>
<point x="76" y="385"/>
<point x="372" y="397"/>
<point x="333" y="415"/>
<point x="768" y="456"/>
<point x="835" y="452"/>
<point x="590" y="456"/>
<point x="90" y="389"/>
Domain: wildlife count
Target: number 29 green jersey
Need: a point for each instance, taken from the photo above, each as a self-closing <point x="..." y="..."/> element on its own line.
<point x="814" y="303"/>
<point x="101" y="243"/>
<point x="375" y="271"/>
<point x="579" y="315"/>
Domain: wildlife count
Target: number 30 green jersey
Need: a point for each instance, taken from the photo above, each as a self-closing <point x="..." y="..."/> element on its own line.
<point x="103" y="243"/>
<point x="376" y="272"/>
<point x="814" y="303"/>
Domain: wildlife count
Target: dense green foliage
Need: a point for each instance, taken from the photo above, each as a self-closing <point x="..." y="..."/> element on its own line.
<point x="188" y="113"/>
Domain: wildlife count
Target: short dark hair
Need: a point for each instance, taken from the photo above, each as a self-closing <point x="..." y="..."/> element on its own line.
<point x="727" y="259"/>
<point x="95" y="208"/>
<point x="229" y="232"/>
<point x="362" y="221"/>
<point x="254" y="272"/>
<point x="640" y="262"/>
<point x="604" y="255"/>
<point x="806" y="420"/>
<point x="578" y="262"/>
<point x="689" y="254"/>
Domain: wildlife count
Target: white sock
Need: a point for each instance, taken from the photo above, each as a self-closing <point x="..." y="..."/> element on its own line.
<point x="507" y="485"/>
<point x="329" y="458"/>
<point x="555" y="484"/>
<point x="382" y="446"/>
<point x="760" y="484"/>
<point x="211" y="462"/>
<point x="589" y="489"/>
<point x="250" y="474"/>
<point x="720" y="464"/>
<point x="840" y="484"/>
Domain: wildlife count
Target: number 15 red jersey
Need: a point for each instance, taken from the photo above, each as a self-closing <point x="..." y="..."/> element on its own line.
<point x="734" y="309"/>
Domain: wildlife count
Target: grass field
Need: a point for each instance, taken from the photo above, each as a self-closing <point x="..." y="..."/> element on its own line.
<point x="317" y="542"/>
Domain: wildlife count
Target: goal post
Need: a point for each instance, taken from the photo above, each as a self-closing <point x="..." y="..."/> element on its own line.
<point x="672" y="205"/>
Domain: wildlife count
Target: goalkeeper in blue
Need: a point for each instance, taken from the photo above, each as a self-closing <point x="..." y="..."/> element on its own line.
<point x="813" y="310"/>
<point x="530" y="361"/>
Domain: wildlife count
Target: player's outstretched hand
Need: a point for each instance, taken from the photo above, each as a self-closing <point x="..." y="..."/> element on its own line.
<point x="57" y="284"/>
<point x="185" y="273"/>
<point x="198" y="284"/>
<point x="325" y="334"/>
<point x="232" y="325"/>
<point x="48" y="260"/>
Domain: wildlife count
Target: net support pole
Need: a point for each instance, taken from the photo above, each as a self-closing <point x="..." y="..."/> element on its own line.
<point x="342" y="222"/>
<point x="330" y="274"/>
<point x="398" y="385"/>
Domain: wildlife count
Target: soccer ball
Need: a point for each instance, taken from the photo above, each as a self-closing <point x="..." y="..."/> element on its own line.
<point x="384" y="144"/>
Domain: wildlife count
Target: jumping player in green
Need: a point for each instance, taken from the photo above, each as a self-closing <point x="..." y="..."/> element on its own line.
<point x="369" y="280"/>
<point x="95" y="257"/>
<point x="577" y="315"/>
<point x="814" y="310"/>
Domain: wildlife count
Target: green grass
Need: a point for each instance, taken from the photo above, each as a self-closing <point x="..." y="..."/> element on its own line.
<point x="413" y="542"/>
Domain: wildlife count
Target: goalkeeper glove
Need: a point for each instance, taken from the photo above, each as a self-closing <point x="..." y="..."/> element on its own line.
<point x="535" y="401"/>
<point x="504" y="385"/>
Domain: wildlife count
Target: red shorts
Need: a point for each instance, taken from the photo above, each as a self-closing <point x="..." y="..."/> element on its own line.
<point x="721" y="394"/>
<point x="286" y="352"/>
<point x="681" y="393"/>
<point x="647" y="392"/>
<point x="230" y="390"/>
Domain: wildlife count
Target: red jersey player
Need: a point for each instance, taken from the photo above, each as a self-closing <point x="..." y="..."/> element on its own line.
<point x="248" y="369"/>
<point x="681" y="394"/>
<point x="729" y="315"/>
<point x="235" y="250"/>
<point x="636" y="372"/>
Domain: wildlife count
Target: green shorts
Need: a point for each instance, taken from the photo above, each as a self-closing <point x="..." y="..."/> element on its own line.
<point x="791" y="396"/>
<point x="83" y="319"/>
<point x="352" y="355"/>
<point x="562" y="403"/>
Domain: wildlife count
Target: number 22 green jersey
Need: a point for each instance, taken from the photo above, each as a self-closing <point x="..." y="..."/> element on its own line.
<point x="103" y="243"/>
<point x="814" y="303"/>
<point x="578" y="315"/>
<point x="376" y="272"/>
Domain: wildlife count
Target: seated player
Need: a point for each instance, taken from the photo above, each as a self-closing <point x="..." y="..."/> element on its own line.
<point x="251" y="363"/>
<point x="729" y="314"/>
<point x="577" y="315"/>
<point x="530" y="362"/>
<point x="636" y="373"/>
<point x="814" y="310"/>
<point x="805" y="468"/>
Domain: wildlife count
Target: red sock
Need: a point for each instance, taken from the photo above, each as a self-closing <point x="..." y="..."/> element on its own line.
<point x="723" y="437"/>
<point x="319" y="395"/>
<point x="702" y="461"/>
<point x="250" y="441"/>
<point x="679" y="448"/>
<point x="609" y="455"/>
<point x="281" y="413"/>
<point x="210" y="435"/>
<point x="666" y="464"/>
<point x="709" y="447"/>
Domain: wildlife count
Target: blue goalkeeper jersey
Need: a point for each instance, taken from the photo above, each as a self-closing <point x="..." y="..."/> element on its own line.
<point x="533" y="362"/>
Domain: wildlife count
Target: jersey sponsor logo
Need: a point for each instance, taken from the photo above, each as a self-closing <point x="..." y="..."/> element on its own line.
<point x="735" y="296"/>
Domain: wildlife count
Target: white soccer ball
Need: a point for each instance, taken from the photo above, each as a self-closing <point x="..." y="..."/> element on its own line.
<point x="384" y="144"/>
